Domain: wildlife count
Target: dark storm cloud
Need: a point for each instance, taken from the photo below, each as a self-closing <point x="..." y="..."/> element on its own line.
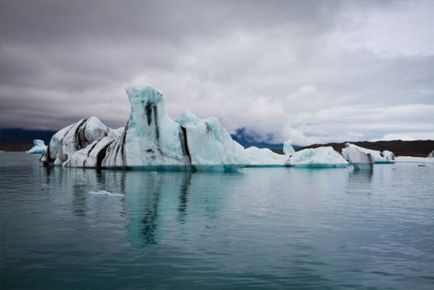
<point x="306" y="70"/>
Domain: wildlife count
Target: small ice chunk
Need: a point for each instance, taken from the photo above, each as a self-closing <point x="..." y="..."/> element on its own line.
<point x="39" y="147"/>
<point x="388" y="155"/>
<point x="106" y="193"/>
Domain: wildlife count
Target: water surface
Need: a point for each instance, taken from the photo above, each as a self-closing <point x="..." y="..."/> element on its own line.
<point x="262" y="228"/>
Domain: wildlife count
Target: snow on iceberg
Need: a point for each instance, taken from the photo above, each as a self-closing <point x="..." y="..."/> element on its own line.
<point x="39" y="147"/>
<point x="152" y="139"/>
<point x="321" y="157"/>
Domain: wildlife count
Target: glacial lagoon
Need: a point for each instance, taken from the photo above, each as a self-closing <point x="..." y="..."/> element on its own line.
<point x="258" y="228"/>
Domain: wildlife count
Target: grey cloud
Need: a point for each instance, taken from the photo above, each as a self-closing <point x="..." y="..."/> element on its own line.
<point x="307" y="70"/>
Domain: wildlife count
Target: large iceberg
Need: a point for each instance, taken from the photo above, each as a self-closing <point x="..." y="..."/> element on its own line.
<point x="151" y="139"/>
<point x="39" y="147"/>
<point x="321" y="157"/>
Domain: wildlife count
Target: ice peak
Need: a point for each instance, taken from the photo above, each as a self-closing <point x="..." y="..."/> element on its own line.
<point x="144" y="93"/>
<point x="187" y="117"/>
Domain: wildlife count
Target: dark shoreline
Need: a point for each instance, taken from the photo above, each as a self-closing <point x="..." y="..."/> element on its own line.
<point x="15" y="147"/>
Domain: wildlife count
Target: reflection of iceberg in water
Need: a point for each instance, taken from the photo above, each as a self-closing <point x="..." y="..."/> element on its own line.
<point x="359" y="181"/>
<point x="151" y="203"/>
<point x="184" y="193"/>
<point x="156" y="201"/>
<point x="143" y="194"/>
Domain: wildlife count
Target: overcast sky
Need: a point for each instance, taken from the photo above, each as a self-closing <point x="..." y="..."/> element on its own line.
<point x="311" y="71"/>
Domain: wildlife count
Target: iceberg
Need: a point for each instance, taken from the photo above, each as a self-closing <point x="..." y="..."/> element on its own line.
<point x="321" y="157"/>
<point x="91" y="156"/>
<point x="151" y="139"/>
<point x="206" y="142"/>
<point x="39" y="147"/>
<point x="388" y="155"/>
<point x="377" y="156"/>
<point x="358" y="158"/>
<point x="264" y="157"/>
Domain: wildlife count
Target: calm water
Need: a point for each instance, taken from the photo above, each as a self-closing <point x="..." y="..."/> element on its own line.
<point x="258" y="228"/>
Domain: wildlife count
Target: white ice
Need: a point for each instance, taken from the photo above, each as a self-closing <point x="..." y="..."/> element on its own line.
<point x="264" y="157"/>
<point x="151" y="138"/>
<point x="39" y="147"/>
<point x="106" y="193"/>
<point x="388" y="155"/>
<point x="376" y="155"/>
<point x="73" y="138"/>
<point x="321" y="157"/>
<point x="287" y="148"/>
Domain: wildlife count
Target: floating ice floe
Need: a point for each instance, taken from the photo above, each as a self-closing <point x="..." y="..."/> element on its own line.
<point x="106" y="193"/>
<point x="321" y="157"/>
<point x="377" y="156"/>
<point x="360" y="159"/>
<point x="264" y="157"/>
<point x="151" y="139"/>
<point x="39" y="147"/>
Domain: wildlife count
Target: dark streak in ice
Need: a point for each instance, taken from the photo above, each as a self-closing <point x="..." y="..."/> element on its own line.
<point x="148" y="111"/>
<point x="184" y="143"/>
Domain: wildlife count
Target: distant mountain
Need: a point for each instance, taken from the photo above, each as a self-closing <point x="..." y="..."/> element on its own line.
<point x="14" y="135"/>
<point x="249" y="138"/>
